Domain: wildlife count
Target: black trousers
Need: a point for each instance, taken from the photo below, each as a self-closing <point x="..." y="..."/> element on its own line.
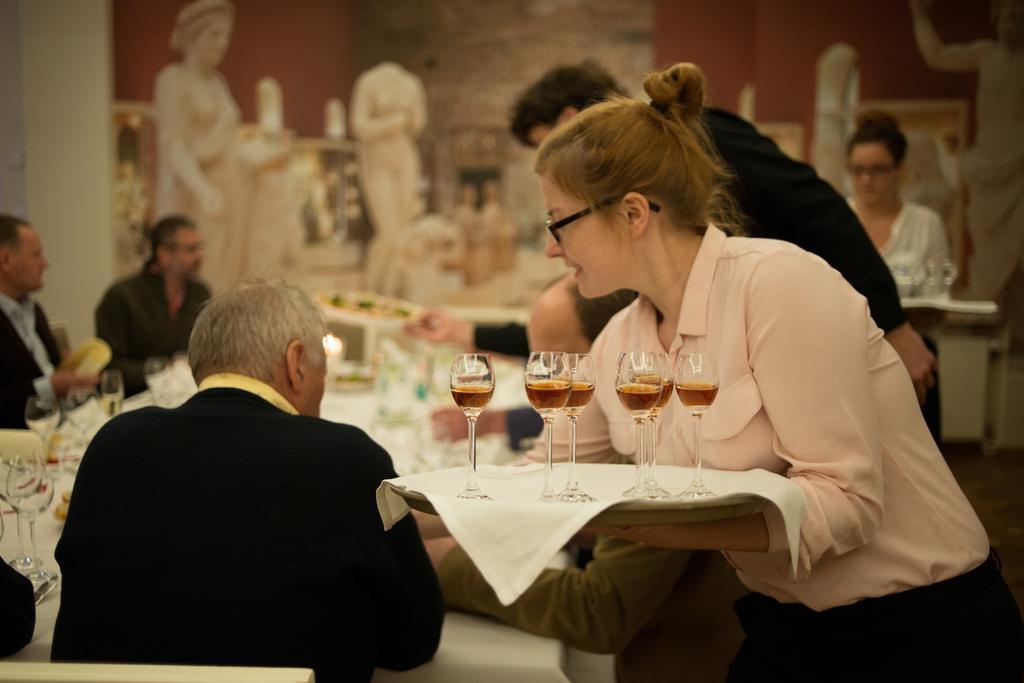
<point x="967" y="628"/>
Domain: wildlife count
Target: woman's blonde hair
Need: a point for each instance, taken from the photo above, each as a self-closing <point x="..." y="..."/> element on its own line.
<point x="661" y="150"/>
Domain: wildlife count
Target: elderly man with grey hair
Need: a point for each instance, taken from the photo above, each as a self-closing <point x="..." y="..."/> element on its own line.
<point x="238" y="528"/>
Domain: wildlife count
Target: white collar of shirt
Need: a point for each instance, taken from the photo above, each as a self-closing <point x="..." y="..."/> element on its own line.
<point x="20" y="312"/>
<point x="22" y="315"/>
<point x="231" y="380"/>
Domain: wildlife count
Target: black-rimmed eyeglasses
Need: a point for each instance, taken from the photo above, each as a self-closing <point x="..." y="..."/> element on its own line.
<point x="554" y="226"/>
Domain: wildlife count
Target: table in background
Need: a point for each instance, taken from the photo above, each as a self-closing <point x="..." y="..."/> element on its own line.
<point x="974" y="350"/>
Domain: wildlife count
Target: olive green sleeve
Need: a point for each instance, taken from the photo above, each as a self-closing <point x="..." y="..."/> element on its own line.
<point x="596" y="609"/>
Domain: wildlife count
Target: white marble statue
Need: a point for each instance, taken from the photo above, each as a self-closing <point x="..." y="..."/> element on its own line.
<point x="269" y="106"/>
<point x="273" y="230"/>
<point x="924" y="181"/>
<point x="198" y="167"/>
<point x="835" y="99"/>
<point x="477" y="264"/>
<point x="389" y="111"/>
<point x="994" y="166"/>
<point x="745" y="101"/>
<point x="334" y="119"/>
<point x="499" y="228"/>
<point x="431" y="244"/>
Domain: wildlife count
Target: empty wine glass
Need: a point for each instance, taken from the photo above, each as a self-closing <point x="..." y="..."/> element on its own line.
<point x="82" y="419"/>
<point x="157" y="371"/>
<point x="548" y="385"/>
<point x="111" y="391"/>
<point x="29" y="489"/>
<point x="904" y="279"/>
<point x="638" y="384"/>
<point x="651" y="487"/>
<point x="949" y="275"/>
<point x="472" y="385"/>
<point x="42" y="415"/>
<point x="22" y="561"/>
<point x="696" y="379"/>
<point x="583" y="378"/>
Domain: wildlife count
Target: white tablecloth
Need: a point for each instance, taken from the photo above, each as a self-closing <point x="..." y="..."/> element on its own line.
<point x="510" y="537"/>
<point x="472" y="648"/>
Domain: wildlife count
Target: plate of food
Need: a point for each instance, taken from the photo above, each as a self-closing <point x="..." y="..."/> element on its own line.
<point x="368" y="309"/>
<point x="353" y="376"/>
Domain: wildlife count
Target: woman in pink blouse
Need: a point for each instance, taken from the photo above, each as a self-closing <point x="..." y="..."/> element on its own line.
<point x="893" y="561"/>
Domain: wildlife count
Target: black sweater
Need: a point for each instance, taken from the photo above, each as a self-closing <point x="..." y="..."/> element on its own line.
<point x="228" y="532"/>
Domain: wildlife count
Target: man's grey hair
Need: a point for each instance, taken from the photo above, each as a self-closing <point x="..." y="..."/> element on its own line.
<point x="247" y="328"/>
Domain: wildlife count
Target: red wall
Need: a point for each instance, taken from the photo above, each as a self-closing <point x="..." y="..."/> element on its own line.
<point x="717" y="35"/>
<point x="775" y="44"/>
<point x="305" y="45"/>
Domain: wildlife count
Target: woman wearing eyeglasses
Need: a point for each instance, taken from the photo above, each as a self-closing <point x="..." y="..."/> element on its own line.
<point x="894" y="565"/>
<point x="907" y="235"/>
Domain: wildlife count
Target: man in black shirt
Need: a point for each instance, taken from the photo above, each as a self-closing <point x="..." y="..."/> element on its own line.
<point x="781" y="198"/>
<point x="152" y="312"/>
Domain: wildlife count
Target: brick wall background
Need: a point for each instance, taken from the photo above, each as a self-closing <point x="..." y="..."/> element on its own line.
<point x="476" y="57"/>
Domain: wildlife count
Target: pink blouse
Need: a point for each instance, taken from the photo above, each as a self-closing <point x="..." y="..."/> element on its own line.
<point x="811" y="390"/>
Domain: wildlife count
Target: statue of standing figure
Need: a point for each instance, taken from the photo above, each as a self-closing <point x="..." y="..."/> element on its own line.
<point x="199" y="173"/>
<point x="273" y="236"/>
<point x="499" y="227"/>
<point x="994" y="166"/>
<point x="389" y="112"/>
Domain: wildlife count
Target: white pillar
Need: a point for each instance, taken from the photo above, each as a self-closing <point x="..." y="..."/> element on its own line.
<point x="67" y="88"/>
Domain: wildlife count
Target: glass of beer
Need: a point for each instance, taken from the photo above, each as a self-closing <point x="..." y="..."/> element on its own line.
<point x="638" y="384"/>
<point x="472" y="385"/>
<point x="111" y="391"/>
<point x="696" y="379"/>
<point x="548" y="386"/>
<point x="583" y="378"/>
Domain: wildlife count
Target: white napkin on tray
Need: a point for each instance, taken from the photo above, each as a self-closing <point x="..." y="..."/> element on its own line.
<point x="512" y="537"/>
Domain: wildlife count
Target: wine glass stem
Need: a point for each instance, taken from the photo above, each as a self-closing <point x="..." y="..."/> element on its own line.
<point x="652" y="449"/>
<point x="471" y="483"/>
<point x="641" y="461"/>
<point x="548" y="424"/>
<point x="697" y="477"/>
<point x="572" y="452"/>
<point x="32" y="540"/>
<point x="21" y="534"/>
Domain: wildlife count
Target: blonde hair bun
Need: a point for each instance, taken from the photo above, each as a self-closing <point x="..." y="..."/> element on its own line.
<point x="679" y="88"/>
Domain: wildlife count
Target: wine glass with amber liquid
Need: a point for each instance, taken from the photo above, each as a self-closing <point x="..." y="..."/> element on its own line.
<point x="651" y="487"/>
<point x="638" y="383"/>
<point x="472" y="385"/>
<point x="583" y="378"/>
<point x="696" y="378"/>
<point x="548" y="387"/>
